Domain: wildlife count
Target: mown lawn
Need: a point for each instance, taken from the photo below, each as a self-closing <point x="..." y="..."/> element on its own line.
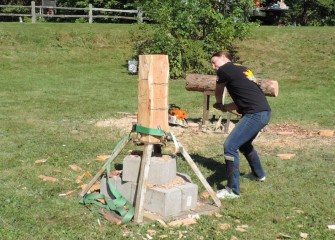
<point x="58" y="80"/>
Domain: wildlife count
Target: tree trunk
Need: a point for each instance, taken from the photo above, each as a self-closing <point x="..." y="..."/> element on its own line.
<point x="203" y="83"/>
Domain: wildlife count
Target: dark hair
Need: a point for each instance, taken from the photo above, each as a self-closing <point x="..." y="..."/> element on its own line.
<point x="223" y="53"/>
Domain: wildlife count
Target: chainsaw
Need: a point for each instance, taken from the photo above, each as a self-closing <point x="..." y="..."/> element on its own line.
<point x="177" y="117"/>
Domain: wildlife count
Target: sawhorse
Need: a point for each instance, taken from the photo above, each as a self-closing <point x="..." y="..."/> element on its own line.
<point x="206" y="102"/>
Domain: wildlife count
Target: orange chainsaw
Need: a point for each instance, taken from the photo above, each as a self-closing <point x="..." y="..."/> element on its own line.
<point x="177" y="116"/>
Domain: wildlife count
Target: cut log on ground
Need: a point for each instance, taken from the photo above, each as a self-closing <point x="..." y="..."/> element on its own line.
<point x="202" y="83"/>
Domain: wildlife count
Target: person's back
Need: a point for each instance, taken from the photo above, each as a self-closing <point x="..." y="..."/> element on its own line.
<point x="241" y="85"/>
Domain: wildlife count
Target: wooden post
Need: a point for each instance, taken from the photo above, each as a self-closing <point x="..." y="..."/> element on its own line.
<point x="206" y="101"/>
<point x="153" y="77"/>
<point x="141" y="186"/>
<point x="103" y="168"/>
<point x="139" y="15"/>
<point x="90" y="14"/>
<point x="33" y="12"/>
<point x="199" y="175"/>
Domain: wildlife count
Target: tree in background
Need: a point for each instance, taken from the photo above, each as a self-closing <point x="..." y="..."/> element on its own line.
<point x="16" y="2"/>
<point x="85" y="3"/>
<point x="311" y="12"/>
<point x="15" y="10"/>
<point x="189" y="31"/>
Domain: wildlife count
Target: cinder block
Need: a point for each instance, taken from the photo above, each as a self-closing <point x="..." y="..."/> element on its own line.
<point x="162" y="170"/>
<point x="130" y="169"/>
<point x="127" y="189"/>
<point x="189" y="196"/>
<point x="165" y="202"/>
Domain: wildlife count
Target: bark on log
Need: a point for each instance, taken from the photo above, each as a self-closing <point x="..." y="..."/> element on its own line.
<point x="202" y="83"/>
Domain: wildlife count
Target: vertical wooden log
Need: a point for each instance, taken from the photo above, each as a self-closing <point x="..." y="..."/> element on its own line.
<point x="33" y="12"/>
<point x="153" y="89"/>
<point x="90" y="13"/>
<point x="141" y="186"/>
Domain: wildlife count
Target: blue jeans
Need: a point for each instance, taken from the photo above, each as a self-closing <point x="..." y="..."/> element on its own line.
<point x="241" y="139"/>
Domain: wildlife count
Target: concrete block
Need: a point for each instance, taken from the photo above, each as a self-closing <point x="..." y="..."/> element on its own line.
<point x="165" y="202"/>
<point x="189" y="196"/>
<point x="130" y="169"/>
<point x="127" y="189"/>
<point x="162" y="170"/>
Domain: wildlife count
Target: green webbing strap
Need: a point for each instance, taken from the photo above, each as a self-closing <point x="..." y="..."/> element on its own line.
<point x="150" y="131"/>
<point x="120" y="205"/>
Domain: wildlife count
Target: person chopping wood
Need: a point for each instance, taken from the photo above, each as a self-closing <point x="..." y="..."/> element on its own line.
<point x="251" y="103"/>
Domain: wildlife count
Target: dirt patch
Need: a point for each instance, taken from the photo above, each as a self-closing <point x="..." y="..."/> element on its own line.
<point x="124" y="123"/>
<point x="287" y="137"/>
<point x="291" y="129"/>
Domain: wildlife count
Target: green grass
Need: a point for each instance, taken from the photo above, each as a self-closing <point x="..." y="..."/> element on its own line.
<point x="57" y="80"/>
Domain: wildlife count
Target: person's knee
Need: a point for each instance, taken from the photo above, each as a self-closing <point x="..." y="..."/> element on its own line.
<point x="246" y="149"/>
<point x="230" y="148"/>
<point x="228" y="158"/>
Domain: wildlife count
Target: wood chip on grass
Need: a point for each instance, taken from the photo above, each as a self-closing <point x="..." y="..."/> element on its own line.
<point x="80" y="178"/>
<point x="48" y="179"/>
<point x="242" y="228"/>
<point x="69" y="193"/>
<point x="95" y="187"/>
<point x="41" y="160"/>
<point x="102" y="158"/>
<point x="286" y="156"/>
<point x="75" y="168"/>
<point x="184" y="222"/>
<point x="225" y="226"/>
<point x="331" y="227"/>
<point x="326" y="133"/>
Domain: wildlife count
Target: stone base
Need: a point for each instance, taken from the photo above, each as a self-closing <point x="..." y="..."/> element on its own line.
<point x="161" y="200"/>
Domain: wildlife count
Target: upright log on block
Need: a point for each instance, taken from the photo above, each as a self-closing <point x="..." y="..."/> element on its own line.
<point x="203" y="83"/>
<point x="153" y="95"/>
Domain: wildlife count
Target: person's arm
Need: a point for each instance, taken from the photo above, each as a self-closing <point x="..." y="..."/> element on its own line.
<point x="219" y="88"/>
<point x="230" y="106"/>
<point x="226" y="107"/>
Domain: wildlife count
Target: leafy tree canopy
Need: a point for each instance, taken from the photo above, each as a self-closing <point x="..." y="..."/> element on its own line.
<point x="189" y="31"/>
<point x="312" y="12"/>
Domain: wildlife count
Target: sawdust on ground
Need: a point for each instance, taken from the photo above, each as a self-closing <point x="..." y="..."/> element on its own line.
<point x="287" y="136"/>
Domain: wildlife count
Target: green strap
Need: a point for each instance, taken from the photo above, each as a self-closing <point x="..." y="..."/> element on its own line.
<point x="119" y="204"/>
<point x="150" y="131"/>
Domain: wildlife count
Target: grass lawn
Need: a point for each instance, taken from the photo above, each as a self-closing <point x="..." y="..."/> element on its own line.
<point x="58" y="80"/>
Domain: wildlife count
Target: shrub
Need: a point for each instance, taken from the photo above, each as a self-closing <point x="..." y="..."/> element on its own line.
<point x="190" y="31"/>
